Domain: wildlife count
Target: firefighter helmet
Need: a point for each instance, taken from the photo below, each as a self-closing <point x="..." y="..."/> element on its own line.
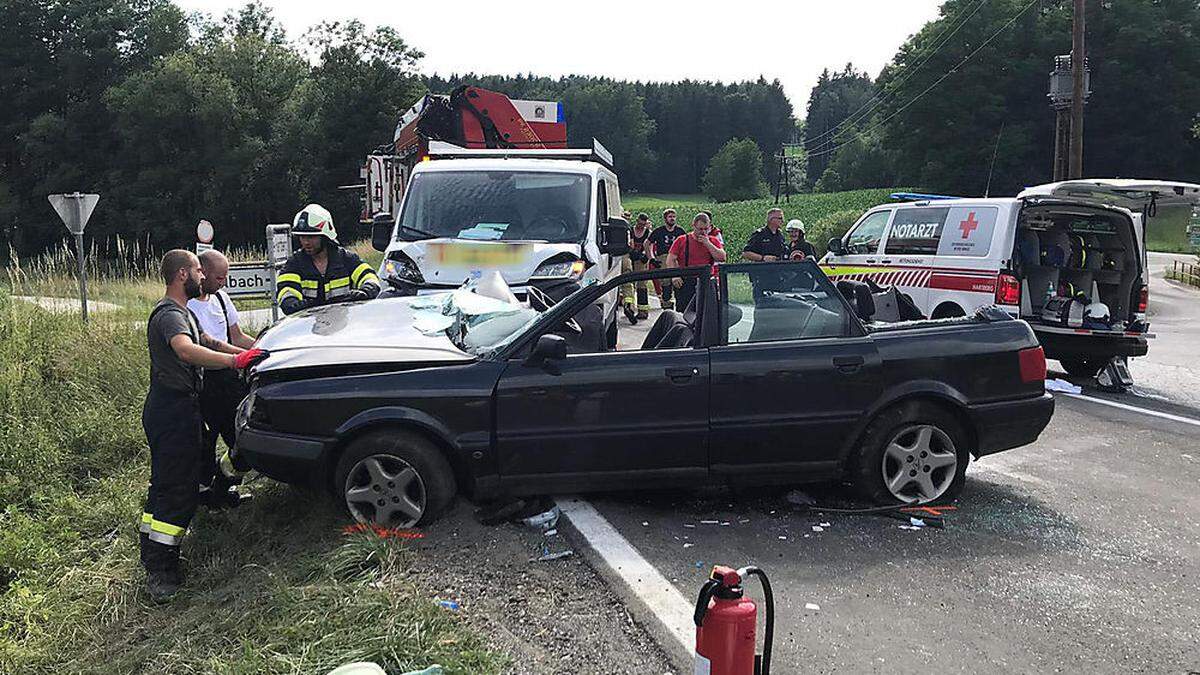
<point x="795" y="224"/>
<point x="314" y="220"/>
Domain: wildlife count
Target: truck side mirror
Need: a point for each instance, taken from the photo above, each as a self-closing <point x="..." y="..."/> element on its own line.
<point x="382" y="225"/>
<point x="614" y="237"/>
<point x="835" y="246"/>
<point x="548" y="349"/>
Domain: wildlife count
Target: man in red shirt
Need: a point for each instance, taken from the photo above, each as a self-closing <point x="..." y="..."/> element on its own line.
<point x="695" y="248"/>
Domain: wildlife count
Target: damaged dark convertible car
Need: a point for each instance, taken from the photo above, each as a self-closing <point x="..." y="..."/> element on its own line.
<point x="772" y="376"/>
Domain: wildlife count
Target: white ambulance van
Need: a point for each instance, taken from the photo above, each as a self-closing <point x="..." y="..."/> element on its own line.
<point x="1069" y="258"/>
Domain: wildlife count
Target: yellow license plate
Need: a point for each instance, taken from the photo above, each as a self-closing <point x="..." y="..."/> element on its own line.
<point x="481" y="255"/>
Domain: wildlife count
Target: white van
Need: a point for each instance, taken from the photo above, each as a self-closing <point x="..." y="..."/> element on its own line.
<point x="550" y="219"/>
<point x="1059" y="256"/>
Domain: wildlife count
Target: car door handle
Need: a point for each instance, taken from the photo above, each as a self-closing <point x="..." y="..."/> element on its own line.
<point x="848" y="365"/>
<point x="682" y="375"/>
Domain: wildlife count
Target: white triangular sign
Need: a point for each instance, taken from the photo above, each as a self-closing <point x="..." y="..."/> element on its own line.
<point x="74" y="217"/>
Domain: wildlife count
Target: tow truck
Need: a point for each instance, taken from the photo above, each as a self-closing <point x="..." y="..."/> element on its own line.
<point x="475" y="182"/>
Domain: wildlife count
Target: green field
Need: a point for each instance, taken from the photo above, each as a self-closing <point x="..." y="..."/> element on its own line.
<point x="1167" y="231"/>
<point x="738" y="219"/>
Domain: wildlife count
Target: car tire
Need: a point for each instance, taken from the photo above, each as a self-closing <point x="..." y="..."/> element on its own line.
<point x="918" y="434"/>
<point x="394" y="478"/>
<point x="1082" y="367"/>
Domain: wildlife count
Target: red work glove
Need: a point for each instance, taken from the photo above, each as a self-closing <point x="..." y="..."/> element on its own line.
<point x="249" y="358"/>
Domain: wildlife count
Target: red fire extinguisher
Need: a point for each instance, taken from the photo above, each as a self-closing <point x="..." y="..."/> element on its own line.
<point x="726" y="622"/>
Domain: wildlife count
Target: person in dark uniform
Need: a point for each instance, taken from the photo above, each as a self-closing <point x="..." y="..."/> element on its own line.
<point x="766" y="244"/>
<point x="660" y="242"/>
<point x="172" y="419"/>
<point x="322" y="272"/>
<point x="798" y="247"/>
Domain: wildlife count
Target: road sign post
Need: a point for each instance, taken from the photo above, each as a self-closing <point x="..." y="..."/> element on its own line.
<point x="75" y="209"/>
<point x="279" y="249"/>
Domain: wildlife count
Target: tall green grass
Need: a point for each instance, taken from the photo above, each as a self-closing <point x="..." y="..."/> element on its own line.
<point x="274" y="587"/>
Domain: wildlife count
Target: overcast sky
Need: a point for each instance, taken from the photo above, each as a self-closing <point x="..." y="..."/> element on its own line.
<point x="648" y="40"/>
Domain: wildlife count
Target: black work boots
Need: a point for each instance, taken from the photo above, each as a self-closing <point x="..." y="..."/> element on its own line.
<point x="163" y="573"/>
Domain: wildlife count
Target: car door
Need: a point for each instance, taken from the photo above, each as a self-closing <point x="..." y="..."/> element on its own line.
<point x="606" y="420"/>
<point x="792" y="377"/>
<point x="861" y="245"/>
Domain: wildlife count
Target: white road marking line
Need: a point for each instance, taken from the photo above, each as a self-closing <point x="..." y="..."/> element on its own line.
<point x="1132" y="408"/>
<point x="662" y="598"/>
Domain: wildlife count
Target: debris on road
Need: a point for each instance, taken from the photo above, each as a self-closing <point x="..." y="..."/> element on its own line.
<point x="448" y="604"/>
<point x="546" y="557"/>
<point x="812" y="606"/>
<point x="546" y="520"/>
<point x="1063" y="386"/>
<point x="799" y="498"/>
<point x="817" y="528"/>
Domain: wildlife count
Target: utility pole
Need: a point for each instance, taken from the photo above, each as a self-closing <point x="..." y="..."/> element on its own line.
<point x="1078" y="90"/>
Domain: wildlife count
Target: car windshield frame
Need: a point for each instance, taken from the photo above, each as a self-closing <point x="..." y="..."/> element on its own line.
<point x="552" y="220"/>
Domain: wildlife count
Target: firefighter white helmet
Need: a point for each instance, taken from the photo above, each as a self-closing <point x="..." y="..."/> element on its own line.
<point x="314" y="220"/>
<point x="795" y="224"/>
<point x="1096" y="310"/>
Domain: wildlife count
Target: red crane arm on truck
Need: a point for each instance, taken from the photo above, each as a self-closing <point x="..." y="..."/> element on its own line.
<point x="469" y="117"/>
<point x="473" y="117"/>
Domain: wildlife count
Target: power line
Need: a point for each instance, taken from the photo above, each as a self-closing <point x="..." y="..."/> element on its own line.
<point x="860" y="134"/>
<point x="877" y="99"/>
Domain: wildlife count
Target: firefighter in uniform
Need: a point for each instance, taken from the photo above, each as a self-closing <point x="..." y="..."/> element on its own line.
<point x="171" y="417"/>
<point x="798" y="247"/>
<point x="637" y="261"/>
<point x="322" y="272"/>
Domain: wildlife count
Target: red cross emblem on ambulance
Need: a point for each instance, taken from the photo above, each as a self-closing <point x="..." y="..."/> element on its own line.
<point x="969" y="225"/>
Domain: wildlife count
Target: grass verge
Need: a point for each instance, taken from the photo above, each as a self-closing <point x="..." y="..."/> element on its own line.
<point x="274" y="587"/>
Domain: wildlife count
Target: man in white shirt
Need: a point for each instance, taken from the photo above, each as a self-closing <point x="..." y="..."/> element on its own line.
<point x="222" y="391"/>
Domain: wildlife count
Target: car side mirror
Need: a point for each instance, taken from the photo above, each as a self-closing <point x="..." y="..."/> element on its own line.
<point x="548" y="349"/>
<point x="614" y="237"/>
<point x="381" y="231"/>
<point x="835" y="246"/>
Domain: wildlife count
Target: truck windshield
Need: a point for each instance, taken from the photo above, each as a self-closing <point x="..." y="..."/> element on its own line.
<point x="496" y="205"/>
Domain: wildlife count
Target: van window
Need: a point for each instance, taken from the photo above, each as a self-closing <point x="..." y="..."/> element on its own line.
<point x="865" y="237"/>
<point x="942" y="230"/>
<point x="916" y="231"/>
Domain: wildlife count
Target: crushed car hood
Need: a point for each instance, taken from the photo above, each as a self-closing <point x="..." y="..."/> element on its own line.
<point x="377" y="331"/>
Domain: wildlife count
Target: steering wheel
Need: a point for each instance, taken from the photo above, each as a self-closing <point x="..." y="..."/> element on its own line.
<point x="539" y="301"/>
<point x="548" y="225"/>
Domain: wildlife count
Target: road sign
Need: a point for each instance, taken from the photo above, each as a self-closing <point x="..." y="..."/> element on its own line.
<point x="249" y="279"/>
<point x="201" y="247"/>
<point x="279" y="241"/>
<point x="204" y="232"/>
<point x="75" y="209"/>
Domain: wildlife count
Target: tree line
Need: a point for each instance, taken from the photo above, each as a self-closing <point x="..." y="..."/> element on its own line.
<point x="962" y="106"/>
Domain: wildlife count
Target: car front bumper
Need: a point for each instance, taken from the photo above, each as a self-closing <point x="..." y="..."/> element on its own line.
<point x="285" y="457"/>
<point x="1010" y="424"/>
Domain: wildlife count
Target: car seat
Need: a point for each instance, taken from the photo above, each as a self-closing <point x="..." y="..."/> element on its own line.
<point x="662" y="325"/>
<point x="679" y="335"/>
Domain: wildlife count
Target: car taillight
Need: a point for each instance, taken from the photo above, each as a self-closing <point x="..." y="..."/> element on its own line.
<point x="1008" y="290"/>
<point x="1033" y="364"/>
<point x="1143" y="299"/>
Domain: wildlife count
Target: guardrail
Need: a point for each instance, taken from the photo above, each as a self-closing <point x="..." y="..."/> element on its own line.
<point x="1188" y="273"/>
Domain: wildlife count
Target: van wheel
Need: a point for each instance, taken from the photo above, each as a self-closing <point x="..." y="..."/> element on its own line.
<point x="912" y="453"/>
<point x="394" y="478"/>
<point x="947" y="310"/>
<point x="1082" y="367"/>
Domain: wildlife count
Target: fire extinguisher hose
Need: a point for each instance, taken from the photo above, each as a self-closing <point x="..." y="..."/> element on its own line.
<point x="769" y="632"/>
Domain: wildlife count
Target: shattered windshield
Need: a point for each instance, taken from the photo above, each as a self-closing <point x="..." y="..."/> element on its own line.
<point x="475" y="323"/>
<point x="496" y="206"/>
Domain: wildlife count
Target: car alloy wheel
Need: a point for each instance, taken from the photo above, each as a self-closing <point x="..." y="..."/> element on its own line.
<point x="385" y="490"/>
<point x="919" y="463"/>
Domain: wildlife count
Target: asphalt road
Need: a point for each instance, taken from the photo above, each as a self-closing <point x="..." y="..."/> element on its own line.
<point x="1080" y="552"/>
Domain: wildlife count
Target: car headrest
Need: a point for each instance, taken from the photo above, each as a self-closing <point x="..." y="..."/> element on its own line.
<point x="858" y="294"/>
